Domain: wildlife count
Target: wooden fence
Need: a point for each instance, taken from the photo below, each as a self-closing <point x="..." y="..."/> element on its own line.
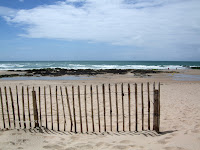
<point x="100" y="108"/>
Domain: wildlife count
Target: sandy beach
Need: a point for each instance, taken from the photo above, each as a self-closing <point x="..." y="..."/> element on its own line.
<point x="179" y="122"/>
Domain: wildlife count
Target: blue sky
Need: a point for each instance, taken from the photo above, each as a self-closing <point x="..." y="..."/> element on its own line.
<point x="100" y="30"/>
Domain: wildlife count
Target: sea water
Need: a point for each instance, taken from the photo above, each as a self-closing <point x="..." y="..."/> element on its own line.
<point x="24" y="65"/>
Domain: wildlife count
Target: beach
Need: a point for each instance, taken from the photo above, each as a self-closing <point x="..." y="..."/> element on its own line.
<point x="179" y="117"/>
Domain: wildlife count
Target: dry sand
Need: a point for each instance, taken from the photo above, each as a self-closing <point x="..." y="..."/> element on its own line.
<point x="180" y="118"/>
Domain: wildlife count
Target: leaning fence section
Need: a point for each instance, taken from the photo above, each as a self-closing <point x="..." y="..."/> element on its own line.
<point x="94" y="108"/>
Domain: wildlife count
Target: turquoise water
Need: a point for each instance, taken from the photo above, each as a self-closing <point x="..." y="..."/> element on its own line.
<point x="23" y="65"/>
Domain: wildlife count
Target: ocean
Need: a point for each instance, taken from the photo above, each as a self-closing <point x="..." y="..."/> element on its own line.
<point x="24" y="65"/>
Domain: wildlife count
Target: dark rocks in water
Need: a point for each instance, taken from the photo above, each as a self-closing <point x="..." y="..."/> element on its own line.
<point x="91" y="72"/>
<point x="195" y="67"/>
<point x="139" y="71"/>
<point x="8" y="75"/>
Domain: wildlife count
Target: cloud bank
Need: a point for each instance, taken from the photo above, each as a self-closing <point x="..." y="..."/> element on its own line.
<point x="141" y="23"/>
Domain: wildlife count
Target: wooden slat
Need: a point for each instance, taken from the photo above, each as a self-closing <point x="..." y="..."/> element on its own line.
<point x="69" y="109"/>
<point x="122" y="93"/>
<point x="79" y="100"/>
<point x="116" y="107"/>
<point x="2" y="110"/>
<point x="18" y="110"/>
<point x="159" y="104"/>
<point x="110" y="100"/>
<point x="35" y="110"/>
<point x="104" y="107"/>
<point x="148" y="92"/>
<point x="92" y="113"/>
<point x="99" y="120"/>
<point x="57" y="108"/>
<point x="142" y="101"/>
<point x="51" y="107"/>
<point x="129" y="106"/>
<point x="156" y="113"/>
<point x="136" y="111"/>
<point x="39" y="95"/>
<point x="63" y="105"/>
<point x="13" y="108"/>
<point x="86" y="121"/>
<point x="7" y="106"/>
<point x="74" y="109"/>
<point x="23" y="106"/>
<point x="45" y="106"/>
<point x="29" y="114"/>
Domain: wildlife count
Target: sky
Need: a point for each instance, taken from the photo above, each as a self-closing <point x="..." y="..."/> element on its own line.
<point x="44" y="30"/>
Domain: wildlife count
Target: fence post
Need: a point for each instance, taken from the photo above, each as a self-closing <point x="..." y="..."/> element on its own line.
<point x="35" y="110"/>
<point x="156" y="114"/>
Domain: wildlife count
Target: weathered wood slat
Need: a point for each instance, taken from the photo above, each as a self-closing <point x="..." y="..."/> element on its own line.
<point x="117" y="118"/>
<point x="142" y="101"/>
<point x="51" y="107"/>
<point x="18" y="109"/>
<point x="28" y="100"/>
<point x="7" y="107"/>
<point x="136" y="111"/>
<point x="74" y="111"/>
<point x="148" y="92"/>
<point x="35" y="110"/>
<point x="39" y="95"/>
<point x="79" y="100"/>
<point x="122" y="92"/>
<point x="61" y="95"/>
<point x="110" y="100"/>
<point x="69" y="109"/>
<point x="85" y="97"/>
<point x="13" y="108"/>
<point x="129" y="106"/>
<point x="45" y="106"/>
<point x="57" y="108"/>
<point x="104" y="107"/>
<point x="23" y="106"/>
<point x="99" y="120"/>
<point x="2" y="110"/>
<point x="92" y="112"/>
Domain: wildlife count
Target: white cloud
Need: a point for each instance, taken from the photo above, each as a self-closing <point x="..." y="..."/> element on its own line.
<point x="143" y="23"/>
<point x="5" y="11"/>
